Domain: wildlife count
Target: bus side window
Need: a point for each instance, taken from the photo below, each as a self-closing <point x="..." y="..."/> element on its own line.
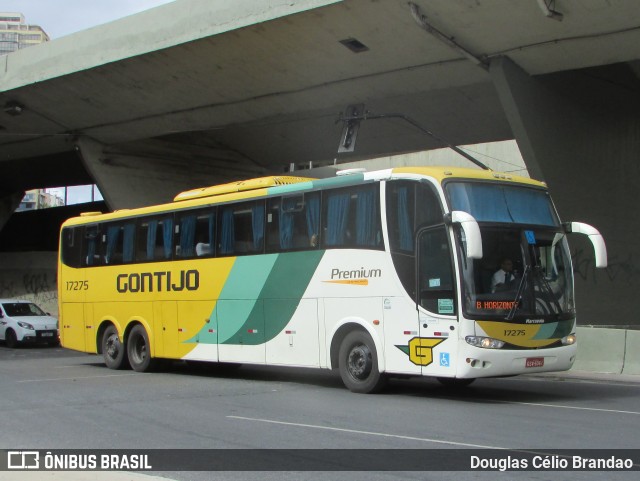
<point x="352" y="217"/>
<point x="242" y="228"/>
<point x="91" y="246"/>
<point x="71" y="246"/>
<point x="128" y="242"/>
<point x="205" y="233"/>
<point x="186" y="243"/>
<point x="410" y="206"/>
<point x="435" y="282"/>
<point x="293" y="222"/>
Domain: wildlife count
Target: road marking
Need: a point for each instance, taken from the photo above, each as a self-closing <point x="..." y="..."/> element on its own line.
<point x="368" y="433"/>
<point x="562" y="406"/>
<point x="75" y="377"/>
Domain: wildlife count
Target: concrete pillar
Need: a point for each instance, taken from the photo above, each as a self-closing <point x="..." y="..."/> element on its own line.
<point x="123" y="182"/>
<point x="587" y="149"/>
<point x="8" y="204"/>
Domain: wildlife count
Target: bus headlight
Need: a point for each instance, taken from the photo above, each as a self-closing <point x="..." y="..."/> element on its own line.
<point x="26" y="325"/>
<point x="484" y="342"/>
<point x="568" y="340"/>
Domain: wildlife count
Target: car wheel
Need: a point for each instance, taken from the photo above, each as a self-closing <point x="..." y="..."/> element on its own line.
<point x="358" y="363"/>
<point x="113" y="351"/>
<point x="139" y="350"/>
<point x="10" y="338"/>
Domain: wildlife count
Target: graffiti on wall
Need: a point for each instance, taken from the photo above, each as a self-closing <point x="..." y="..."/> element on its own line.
<point x="39" y="286"/>
<point x="619" y="269"/>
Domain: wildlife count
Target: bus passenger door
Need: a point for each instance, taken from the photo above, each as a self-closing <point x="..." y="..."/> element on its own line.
<point x="437" y="347"/>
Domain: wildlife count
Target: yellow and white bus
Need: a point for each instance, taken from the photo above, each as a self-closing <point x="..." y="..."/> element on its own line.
<point x="375" y="274"/>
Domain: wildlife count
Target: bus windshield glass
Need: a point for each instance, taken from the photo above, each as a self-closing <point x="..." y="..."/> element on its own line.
<point x="525" y="274"/>
<point x="502" y="203"/>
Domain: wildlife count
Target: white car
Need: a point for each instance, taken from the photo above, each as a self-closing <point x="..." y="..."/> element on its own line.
<point x="23" y="321"/>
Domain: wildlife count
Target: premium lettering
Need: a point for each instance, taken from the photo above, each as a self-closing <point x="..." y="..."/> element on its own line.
<point x="163" y="281"/>
<point x="361" y="273"/>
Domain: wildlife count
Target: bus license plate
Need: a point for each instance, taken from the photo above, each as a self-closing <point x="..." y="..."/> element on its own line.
<point x="534" y="362"/>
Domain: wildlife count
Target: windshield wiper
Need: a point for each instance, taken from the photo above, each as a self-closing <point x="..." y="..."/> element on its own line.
<point x="518" y="299"/>
<point x="546" y="287"/>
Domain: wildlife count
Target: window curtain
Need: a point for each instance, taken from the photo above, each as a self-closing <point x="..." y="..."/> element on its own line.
<point x="405" y="227"/>
<point x="113" y="233"/>
<point x="312" y="206"/>
<point x="187" y="236"/>
<point x="92" y="239"/>
<point x="167" y="237"/>
<point x="257" y="221"/>
<point x="366" y="215"/>
<point x="337" y="218"/>
<point x="491" y="203"/>
<point x="286" y="222"/>
<point x="212" y="229"/>
<point x="152" y="231"/>
<point x="529" y="207"/>
<point x="128" y="248"/>
<point x="227" y="236"/>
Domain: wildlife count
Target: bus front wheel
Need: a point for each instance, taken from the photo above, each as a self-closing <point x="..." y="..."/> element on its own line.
<point x="358" y="363"/>
<point x="113" y="350"/>
<point x="138" y="349"/>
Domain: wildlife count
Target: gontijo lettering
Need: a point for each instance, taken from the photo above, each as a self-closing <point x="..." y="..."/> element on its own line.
<point x="158" y="281"/>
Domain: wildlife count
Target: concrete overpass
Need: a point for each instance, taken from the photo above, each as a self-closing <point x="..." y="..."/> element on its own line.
<point x="198" y="92"/>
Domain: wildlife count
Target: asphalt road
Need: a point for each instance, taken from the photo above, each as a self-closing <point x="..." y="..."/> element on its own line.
<point x="52" y="398"/>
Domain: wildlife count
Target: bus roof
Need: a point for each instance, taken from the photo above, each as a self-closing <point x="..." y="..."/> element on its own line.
<point x="279" y="185"/>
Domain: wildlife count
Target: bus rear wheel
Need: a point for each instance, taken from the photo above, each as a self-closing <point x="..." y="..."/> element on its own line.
<point x="113" y="351"/>
<point x="139" y="350"/>
<point x="358" y="363"/>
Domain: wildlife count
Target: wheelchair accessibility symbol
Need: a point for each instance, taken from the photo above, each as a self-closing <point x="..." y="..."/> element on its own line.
<point x="444" y="359"/>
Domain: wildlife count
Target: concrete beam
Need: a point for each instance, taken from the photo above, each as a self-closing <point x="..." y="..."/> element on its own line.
<point x="582" y="136"/>
<point x="147" y="173"/>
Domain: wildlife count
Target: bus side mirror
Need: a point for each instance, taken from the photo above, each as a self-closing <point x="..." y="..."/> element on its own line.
<point x="599" y="248"/>
<point x="470" y="231"/>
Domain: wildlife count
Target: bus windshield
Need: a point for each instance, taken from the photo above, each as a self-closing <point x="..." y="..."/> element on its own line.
<point x="525" y="274"/>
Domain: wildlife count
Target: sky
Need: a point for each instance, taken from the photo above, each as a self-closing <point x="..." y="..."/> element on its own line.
<point x="63" y="17"/>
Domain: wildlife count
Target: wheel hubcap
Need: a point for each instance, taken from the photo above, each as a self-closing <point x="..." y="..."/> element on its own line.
<point x="140" y="349"/>
<point x="113" y="346"/>
<point x="359" y="362"/>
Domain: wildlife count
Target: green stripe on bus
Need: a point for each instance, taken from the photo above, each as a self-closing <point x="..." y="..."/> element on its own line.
<point x="279" y="299"/>
<point x="245" y="281"/>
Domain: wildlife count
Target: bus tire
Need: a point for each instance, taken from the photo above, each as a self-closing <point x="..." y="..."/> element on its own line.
<point x="139" y="350"/>
<point x="113" y="351"/>
<point x="358" y="363"/>
<point x="454" y="382"/>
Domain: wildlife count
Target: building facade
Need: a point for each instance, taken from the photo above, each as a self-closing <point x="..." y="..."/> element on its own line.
<point x="39" y="199"/>
<point x="15" y="33"/>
